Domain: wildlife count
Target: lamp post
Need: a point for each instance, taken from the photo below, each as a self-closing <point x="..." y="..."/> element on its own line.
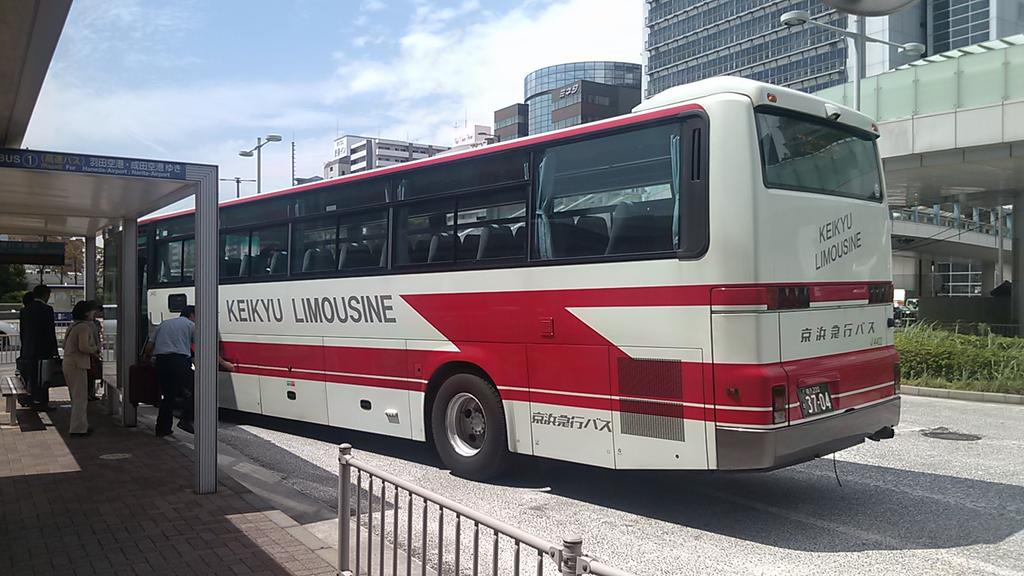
<point x="860" y="39"/>
<point x="238" y="184"/>
<point x="260" y="143"/>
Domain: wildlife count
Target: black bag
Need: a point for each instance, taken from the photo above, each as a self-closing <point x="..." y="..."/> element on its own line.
<point x="51" y="373"/>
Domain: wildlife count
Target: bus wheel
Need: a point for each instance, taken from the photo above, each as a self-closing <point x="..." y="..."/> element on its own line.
<point x="468" y="425"/>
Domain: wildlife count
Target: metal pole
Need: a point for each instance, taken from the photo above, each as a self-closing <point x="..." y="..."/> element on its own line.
<point x="344" y="508"/>
<point x="90" y="267"/>
<point x="238" y="187"/>
<point x="293" y="163"/>
<point x="999" y="245"/>
<point x="259" y="167"/>
<point x="859" y="59"/>
<point x="128" y="316"/>
<point x="205" y="396"/>
<point x="572" y="549"/>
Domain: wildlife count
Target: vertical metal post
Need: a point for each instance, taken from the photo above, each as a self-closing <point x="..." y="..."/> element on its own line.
<point x="999" y="245"/>
<point x="937" y="209"/>
<point x="259" y="166"/>
<point x="860" y="59"/>
<point x="1018" y="265"/>
<point x="128" y="316"/>
<point x="90" y="267"/>
<point x="207" y="346"/>
<point x="572" y="549"/>
<point x="344" y="508"/>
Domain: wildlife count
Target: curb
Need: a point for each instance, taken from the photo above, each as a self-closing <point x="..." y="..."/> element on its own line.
<point x="966" y="395"/>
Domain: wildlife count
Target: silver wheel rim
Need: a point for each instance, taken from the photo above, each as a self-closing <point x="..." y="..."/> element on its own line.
<point x="465" y="424"/>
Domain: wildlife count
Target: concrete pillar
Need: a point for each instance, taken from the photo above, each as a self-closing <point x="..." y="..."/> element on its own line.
<point x="1017" y="255"/>
<point x="915" y="214"/>
<point x="937" y="210"/>
<point x="90" y="267"/>
<point x="128" y="315"/>
<point x="207" y="346"/>
<point x="956" y="214"/>
<point x="925" y="286"/>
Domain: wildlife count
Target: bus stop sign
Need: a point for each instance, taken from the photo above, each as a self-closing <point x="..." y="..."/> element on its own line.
<point x="869" y="7"/>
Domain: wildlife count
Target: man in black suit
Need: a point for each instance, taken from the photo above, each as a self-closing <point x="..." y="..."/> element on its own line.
<point x="38" y="342"/>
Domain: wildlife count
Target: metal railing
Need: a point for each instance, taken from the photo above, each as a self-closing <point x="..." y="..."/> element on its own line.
<point x="424" y="541"/>
<point x="10" y="345"/>
<point x="963" y="223"/>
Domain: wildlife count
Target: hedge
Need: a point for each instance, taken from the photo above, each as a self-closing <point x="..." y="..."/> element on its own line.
<point x="938" y="358"/>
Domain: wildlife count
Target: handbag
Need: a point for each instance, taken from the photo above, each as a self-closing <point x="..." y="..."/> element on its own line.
<point x="51" y="373"/>
<point x="95" y="369"/>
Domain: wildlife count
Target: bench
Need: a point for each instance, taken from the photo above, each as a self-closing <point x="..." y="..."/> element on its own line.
<point x="10" y="388"/>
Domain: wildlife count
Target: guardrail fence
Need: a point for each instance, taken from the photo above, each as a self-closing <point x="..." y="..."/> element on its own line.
<point x="400" y="528"/>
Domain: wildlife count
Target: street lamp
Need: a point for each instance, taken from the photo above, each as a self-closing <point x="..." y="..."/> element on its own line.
<point x="260" y="143"/>
<point x="800" y="17"/>
<point x="238" y="184"/>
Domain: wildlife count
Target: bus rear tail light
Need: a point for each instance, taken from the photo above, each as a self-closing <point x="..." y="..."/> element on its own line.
<point x="779" y="404"/>
<point x="789" y="298"/>
<point x="880" y="293"/>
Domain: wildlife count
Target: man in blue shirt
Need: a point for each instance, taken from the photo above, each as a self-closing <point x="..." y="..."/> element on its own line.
<point x="172" y="347"/>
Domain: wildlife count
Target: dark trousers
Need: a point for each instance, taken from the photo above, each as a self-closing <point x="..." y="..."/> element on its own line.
<point x="37" y="389"/>
<point x="173" y="372"/>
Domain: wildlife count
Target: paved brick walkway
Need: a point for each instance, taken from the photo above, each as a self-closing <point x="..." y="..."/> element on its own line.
<point x="121" y="502"/>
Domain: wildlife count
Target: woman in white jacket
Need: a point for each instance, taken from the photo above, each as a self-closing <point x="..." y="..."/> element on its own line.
<point x="80" y="346"/>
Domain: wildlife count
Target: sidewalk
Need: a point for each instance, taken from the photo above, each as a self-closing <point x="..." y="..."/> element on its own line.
<point x="121" y="502"/>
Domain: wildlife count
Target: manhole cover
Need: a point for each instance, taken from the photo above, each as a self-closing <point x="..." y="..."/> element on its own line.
<point x="943" y="433"/>
<point x="115" y="456"/>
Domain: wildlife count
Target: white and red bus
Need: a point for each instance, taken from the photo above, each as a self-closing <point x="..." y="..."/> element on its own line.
<point x="702" y="284"/>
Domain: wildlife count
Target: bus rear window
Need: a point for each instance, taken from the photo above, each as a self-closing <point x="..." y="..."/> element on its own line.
<point x="817" y="156"/>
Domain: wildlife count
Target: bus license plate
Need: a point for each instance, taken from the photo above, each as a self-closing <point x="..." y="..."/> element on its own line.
<point x="815" y="399"/>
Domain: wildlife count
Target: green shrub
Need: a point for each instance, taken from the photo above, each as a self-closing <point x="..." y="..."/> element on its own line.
<point x="934" y="357"/>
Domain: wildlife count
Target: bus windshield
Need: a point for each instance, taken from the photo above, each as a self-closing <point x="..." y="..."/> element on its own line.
<point x="817" y="156"/>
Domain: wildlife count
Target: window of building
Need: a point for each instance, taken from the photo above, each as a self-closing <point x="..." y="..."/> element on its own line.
<point x="613" y="195"/>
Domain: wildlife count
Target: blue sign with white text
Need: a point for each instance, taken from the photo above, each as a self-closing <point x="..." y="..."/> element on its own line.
<point x="88" y="164"/>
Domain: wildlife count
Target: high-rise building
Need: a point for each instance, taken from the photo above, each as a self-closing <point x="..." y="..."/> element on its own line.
<point x="957" y="23"/>
<point x="359" y="154"/>
<point x="689" y="40"/>
<point x="511" y="122"/>
<point x="565" y="95"/>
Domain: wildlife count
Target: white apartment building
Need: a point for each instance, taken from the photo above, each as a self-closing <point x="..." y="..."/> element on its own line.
<point x="359" y="154"/>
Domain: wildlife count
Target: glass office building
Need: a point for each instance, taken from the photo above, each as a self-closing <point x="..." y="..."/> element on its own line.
<point x="688" y="40"/>
<point x="542" y="87"/>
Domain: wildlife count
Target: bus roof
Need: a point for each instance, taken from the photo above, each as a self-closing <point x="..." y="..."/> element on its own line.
<point x="445" y="158"/>
<point x="665" y="104"/>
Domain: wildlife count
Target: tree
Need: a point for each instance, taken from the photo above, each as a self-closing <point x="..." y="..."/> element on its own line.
<point x="74" y="259"/>
<point x="12" y="282"/>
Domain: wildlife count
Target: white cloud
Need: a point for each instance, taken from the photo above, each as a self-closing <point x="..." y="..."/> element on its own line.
<point x="444" y="72"/>
<point x="450" y="63"/>
<point x="373" y="6"/>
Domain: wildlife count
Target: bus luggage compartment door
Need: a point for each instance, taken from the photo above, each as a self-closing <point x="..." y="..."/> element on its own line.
<point x="654" y="427"/>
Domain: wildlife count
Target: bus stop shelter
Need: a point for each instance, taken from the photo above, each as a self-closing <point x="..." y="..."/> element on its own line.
<point x="56" y="193"/>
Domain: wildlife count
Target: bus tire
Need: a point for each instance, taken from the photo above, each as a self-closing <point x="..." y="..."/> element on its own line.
<point x="468" y="426"/>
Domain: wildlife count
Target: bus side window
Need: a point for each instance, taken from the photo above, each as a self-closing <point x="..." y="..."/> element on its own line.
<point x="234" y="247"/>
<point x="426" y="233"/>
<point x="612" y="195"/>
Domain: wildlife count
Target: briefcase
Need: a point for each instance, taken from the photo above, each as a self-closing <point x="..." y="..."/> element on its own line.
<point x="51" y="373"/>
<point x="95" y="369"/>
<point x="142" y="386"/>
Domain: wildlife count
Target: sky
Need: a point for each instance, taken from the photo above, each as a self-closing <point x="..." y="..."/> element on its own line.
<point x="198" y="81"/>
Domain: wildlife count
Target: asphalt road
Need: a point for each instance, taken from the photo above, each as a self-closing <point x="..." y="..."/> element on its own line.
<point x="912" y="505"/>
